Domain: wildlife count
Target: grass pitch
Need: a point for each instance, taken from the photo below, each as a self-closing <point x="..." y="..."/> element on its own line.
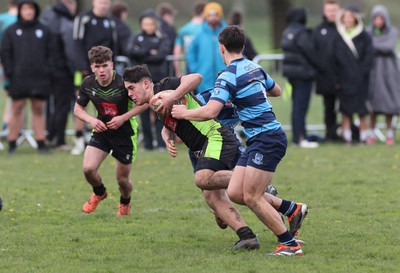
<point x="353" y="226"/>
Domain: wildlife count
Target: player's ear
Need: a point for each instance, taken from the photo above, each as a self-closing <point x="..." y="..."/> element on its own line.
<point x="222" y="48"/>
<point x="146" y="83"/>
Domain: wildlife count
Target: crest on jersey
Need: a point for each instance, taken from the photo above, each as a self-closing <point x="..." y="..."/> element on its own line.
<point x="258" y="159"/>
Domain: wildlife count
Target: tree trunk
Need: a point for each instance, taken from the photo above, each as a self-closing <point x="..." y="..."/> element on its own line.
<point x="278" y="10"/>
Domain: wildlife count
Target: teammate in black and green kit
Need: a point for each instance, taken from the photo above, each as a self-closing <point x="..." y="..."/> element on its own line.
<point x="114" y="128"/>
<point x="213" y="143"/>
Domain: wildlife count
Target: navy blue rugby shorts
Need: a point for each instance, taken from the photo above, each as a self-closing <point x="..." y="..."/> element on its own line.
<point x="264" y="151"/>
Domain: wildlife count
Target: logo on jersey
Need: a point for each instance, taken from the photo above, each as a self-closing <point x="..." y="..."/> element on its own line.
<point x="108" y="109"/>
<point x="258" y="159"/>
<point x="170" y="123"/>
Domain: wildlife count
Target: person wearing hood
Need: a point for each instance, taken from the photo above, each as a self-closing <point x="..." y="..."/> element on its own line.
<point x="299" y="66"/>
<point x="323" y="36"/>
<point x="151" y="47"/>
<point x="60" y="20"/>
<point x="29" y="74"/>
<point x="384" y="89"/>
<point x="353" y="59"/>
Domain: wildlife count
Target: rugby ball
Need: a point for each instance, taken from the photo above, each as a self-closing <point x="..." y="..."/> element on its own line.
<point x="156" y="101"/>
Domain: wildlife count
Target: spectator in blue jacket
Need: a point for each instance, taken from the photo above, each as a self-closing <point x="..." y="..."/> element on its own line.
<point x="205" y="47"/>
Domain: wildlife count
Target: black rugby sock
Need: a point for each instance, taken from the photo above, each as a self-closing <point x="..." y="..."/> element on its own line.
<point x="245" y="233"/>
<point x="99" y="190"/>
<point x="124" y="201"/>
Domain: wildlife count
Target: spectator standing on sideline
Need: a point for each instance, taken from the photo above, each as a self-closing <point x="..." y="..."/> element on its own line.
<point x="166" y="14"/>
<point x="29" y="74"/>
<point x="91" y="28"/>
<point x="384" y="89"/>
<point x="353" y="59"/>
<point x="60" y="20"/>
<point x="247" y="86"/>
<point x="114" y="128"/>
<point x="186" y="34"/>
<point x="6" y="19"/>
<point x="151" y="47"/>
<point x="299" y="63"/>
<point x="214" y="144"/>
<point x="236" y="18"/>
<point x="119" y="14"/>
<point x="323" y="37"/>
<point x="205" y="47"/>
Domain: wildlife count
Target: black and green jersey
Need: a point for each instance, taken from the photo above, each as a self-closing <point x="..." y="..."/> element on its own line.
<point x="110" y="101"/>
<point x="195" y="134"/>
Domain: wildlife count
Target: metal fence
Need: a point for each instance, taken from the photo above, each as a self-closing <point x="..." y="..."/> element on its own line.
<point x="274" y="62"/>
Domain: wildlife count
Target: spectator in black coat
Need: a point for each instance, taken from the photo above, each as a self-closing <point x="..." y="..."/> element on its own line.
<point x="299" y="67"/>
<point x="166" y="14"/>
<point x="26" y="51"/>
<point x="323" y="36"/>
<point x="119" y="13"/>
<point x="60" y="20"/>
<point x="353" y="59"/>
<point x="151" y="47"/>
<point x="93" y="28"/>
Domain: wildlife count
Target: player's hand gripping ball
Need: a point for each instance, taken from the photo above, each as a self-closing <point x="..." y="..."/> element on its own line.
<point x="156" y="101"/>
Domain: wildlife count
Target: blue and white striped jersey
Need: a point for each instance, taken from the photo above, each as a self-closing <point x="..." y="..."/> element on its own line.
<point x="245" y="84"/>
<point x="228" y="115"/>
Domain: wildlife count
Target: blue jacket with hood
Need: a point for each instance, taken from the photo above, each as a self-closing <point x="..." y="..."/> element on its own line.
<point x="203" y="55"/>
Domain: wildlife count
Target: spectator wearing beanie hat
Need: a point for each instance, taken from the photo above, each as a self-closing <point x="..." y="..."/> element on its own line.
<point x="205" y="47"/>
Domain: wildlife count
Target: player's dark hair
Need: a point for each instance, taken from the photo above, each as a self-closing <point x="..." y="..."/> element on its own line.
<point x="136" y="74"/>
<point x="100" y="54"/>
<point x="233" y="38"/>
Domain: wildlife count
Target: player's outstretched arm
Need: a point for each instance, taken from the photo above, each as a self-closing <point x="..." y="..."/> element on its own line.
<point x="117" y="121"/>
<point x="206" y="112"/>
<point x="188" y="83"/>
